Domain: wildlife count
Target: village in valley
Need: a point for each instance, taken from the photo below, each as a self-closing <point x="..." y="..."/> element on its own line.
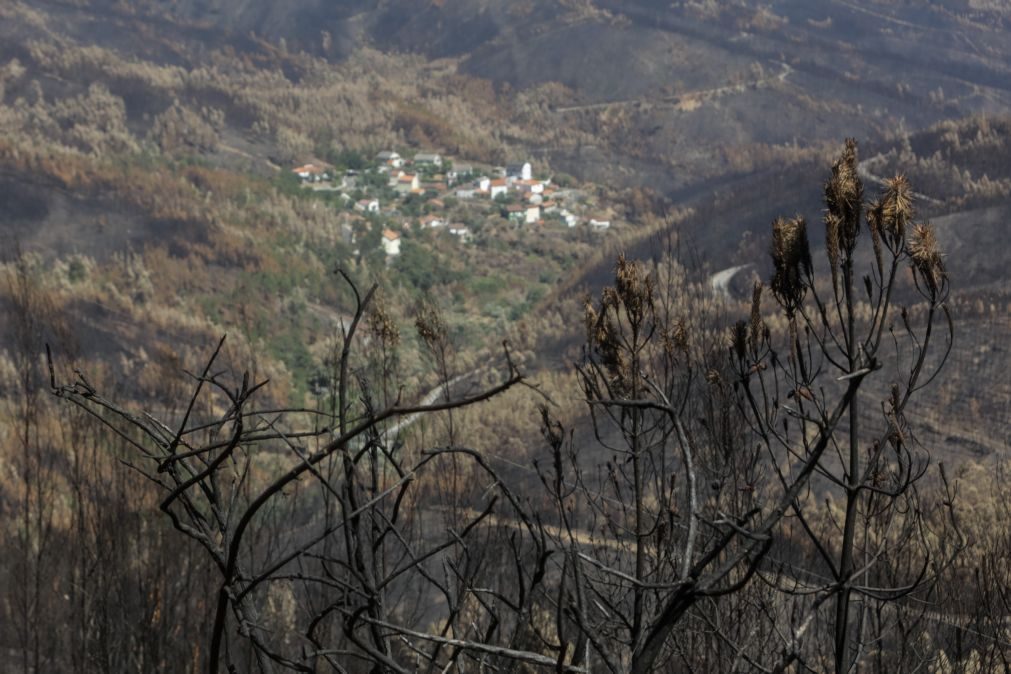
<point x="396" y="196"/>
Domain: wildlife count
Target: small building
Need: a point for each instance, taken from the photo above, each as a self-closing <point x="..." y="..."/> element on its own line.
<point x="390" y="158"/>
<point x="391" y="242"/>
<point x="497" y="187"/>
<point x="529" y="186"/>
<point x="483" y="183"/>
<point x="428" y="159"/>
<point x="570" y="219"/>
<point x="599" y="224"/>
<point x="532" y="213"/>
<point x="367" y="206"/>
<point x="521" y="171"/>
<point x="458" y="172"/>
<point x="523" y="214"/>
<point x="432" y="221"/>
<point x="466" y="193"/>
<point x="407" y="183"/>
<point x="434" y="186"/>
<point x="460" y="231"/>
<point x="516" y="213"/>
<point x="311" y="172"/>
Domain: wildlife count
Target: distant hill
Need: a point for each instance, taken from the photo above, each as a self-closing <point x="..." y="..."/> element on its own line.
<point x="674" y="94"/>
<point x="157" y="129"/>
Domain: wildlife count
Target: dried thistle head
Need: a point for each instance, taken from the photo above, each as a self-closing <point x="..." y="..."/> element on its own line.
<point x="844" y="195"/>
<point x="381" y="325"/>
<point x="603" y="338"/>
<point x="430" y="325"/>
<point x="609" y="300"/>
<point x="675" y="339"/>
<point x="629" y="304"/>
<point x="791" y="258"/>
<point x="634" y="288"/>
<point x="612" y="356"/>
<point x="926" y="257"/>
<point x="896" y="211"/>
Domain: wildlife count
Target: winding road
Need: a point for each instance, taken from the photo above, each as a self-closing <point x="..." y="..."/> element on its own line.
<point x="865" y="174"/>
<point x="689" y="99"/>
<point x="430" y="399"/>
<point x="720" y="281"/>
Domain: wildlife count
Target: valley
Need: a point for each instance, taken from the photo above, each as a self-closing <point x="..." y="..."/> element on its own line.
<point x="486" y="194"/>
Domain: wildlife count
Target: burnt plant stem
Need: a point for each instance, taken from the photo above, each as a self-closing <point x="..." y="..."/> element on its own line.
<point x="843" y="638"/>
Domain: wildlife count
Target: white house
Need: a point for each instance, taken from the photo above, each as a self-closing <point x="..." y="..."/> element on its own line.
<point x="483" y="183"/>
<point x="367" y="206"/>
<point x="599" y="224"/>
<point x="570" y="218"/>
<point x="407" y="183"/>
<point x="390" y="158"/>
<point x="466" y="193"/>
<point x="391" y="242"/>
<point x="428" y="159"/>
<point x="311" y="172"/>
<point x="458" y="171"/>
<point x="519" y="171"/>
<point x="462" y="232"/>
<point x="497" y="187"/>
<point x="532" y="214"/>
<point x="530" y="186"/>
<point x="432" y="221"/>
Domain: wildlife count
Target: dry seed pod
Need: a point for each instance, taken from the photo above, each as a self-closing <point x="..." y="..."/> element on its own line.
<point x="791" y="257"/>
<point x="926" y="257"/>
<point x="634" y="288"/>
<point x="844" y="199"/>
<point x="896" y="211"/>
<point x="381" y="324"/>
